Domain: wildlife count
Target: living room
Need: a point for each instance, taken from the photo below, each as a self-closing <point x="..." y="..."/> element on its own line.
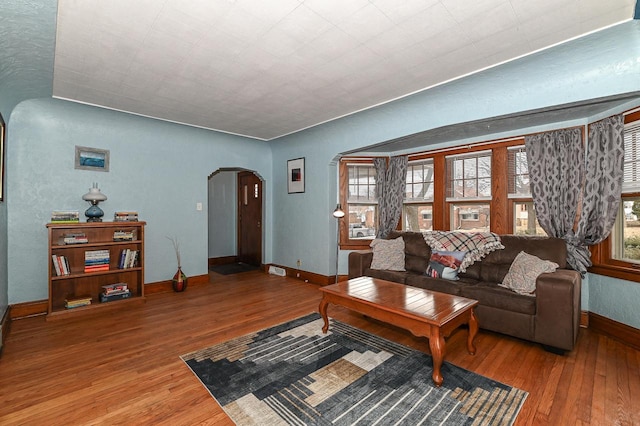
<point x="161" y="169"/>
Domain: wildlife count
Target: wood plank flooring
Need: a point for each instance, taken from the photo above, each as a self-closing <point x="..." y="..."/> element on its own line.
<point x="124" y="367"/>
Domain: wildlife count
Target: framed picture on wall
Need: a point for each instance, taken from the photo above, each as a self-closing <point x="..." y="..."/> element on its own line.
<point x="295" y="175"/>
<point x="92" y="159"/>
<point x="2" y="132"/>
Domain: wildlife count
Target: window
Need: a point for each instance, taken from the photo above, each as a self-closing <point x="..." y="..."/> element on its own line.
<point x="360" y="202"/>
<point x="418" y="204"/>
<point x="525" y="221"/>
<point x="626" y="233"/>
<point x="468" y="180"/>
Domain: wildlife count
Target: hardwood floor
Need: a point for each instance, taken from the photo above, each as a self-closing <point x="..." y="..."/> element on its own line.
<point x="124" y="367"/>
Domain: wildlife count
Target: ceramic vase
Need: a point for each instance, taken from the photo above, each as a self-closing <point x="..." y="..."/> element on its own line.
<point x="179" y="281"/>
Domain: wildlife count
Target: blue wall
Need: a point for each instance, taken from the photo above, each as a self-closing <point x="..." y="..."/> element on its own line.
<point x="603" y="64"/>
<point x="159" y="169"/>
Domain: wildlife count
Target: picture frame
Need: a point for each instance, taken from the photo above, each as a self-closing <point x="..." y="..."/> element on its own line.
<point x="295" y="176"/>
<point x="92" y="159"/>
<point x="2" y="136"/>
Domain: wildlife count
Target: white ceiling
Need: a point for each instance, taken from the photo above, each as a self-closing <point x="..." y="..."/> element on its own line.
<point x="264" y="69"/>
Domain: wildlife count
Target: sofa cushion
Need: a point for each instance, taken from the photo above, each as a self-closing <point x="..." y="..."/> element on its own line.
<point x="388" y="254"/>
<point x="490" y="294"/>
<point x="435" y="284"/>
<point x="416" y="251"/>
<point x="524" y="271"/>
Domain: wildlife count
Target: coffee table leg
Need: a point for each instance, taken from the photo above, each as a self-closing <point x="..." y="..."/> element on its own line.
<point x="436" y="344"/>
<point x="473" y="330"/>
<point x="323" y="312"/>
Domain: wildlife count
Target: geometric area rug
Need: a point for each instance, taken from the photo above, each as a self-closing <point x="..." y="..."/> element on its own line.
<point x="293" y="374"/>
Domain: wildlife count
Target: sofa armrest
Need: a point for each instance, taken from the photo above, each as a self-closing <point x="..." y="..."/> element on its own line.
<point x="359" y="261"/>
<point x="558" y="308"/>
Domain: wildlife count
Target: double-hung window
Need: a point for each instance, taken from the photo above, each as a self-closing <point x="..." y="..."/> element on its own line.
<point x="361" y="202"/>
<point x="468" y="191"/>
<point x="519" y="193"/>
<point x="417" y="210"/>
<point x="625" y="237"/>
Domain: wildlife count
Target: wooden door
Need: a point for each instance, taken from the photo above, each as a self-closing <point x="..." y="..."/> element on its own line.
<point x="249" y="218"/>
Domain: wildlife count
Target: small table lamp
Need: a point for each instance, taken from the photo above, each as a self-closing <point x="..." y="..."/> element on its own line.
<point x="94" y="196"/>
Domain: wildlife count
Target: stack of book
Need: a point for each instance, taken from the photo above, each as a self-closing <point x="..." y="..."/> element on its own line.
<point x="65" y="216"/>
<point x="125" y="217"/>
<point x="76" y="302"/>
<point x="124" y="235"/>
<point x="96" y="260"/>
<point x="61" y="265"/>
<point x="75" y="238"/>
<point x="115" y="291"/>
<point x="128" y="258"/>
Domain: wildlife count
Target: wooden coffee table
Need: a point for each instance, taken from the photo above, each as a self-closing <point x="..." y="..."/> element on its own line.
<point x="424" y="313"/>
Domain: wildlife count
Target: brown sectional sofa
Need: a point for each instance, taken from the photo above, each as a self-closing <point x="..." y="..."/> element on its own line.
<point x="551" y="318"/>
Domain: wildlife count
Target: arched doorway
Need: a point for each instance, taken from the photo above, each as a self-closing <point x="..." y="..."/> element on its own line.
<point x="235" y="221"/>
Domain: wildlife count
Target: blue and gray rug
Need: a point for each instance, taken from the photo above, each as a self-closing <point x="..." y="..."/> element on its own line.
<point x="293" y="374"/>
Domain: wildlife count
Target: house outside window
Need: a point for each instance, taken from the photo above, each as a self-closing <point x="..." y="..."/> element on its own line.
<point x="417" y="209"/>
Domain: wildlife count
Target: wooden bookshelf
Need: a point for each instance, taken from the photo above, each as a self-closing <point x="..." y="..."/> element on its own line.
<point x="78" y="283"/>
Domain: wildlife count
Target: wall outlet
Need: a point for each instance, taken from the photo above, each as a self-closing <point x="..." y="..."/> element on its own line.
<point x="299" y="263"/>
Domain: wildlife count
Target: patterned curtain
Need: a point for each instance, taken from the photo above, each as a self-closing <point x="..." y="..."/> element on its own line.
<point x="556" y="173"/>
<point x="603" y="185"/>
<point x="390" y="187"/>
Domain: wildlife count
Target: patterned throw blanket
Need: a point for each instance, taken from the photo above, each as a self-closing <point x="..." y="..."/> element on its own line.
<point x="476" y="244"/>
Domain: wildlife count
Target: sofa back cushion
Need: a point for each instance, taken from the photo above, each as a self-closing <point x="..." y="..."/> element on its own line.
<point x="496" y="264"/>
<point x="416" y="251"/>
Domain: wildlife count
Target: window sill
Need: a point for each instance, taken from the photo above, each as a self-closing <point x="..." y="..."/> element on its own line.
<point x="629" y="273"/>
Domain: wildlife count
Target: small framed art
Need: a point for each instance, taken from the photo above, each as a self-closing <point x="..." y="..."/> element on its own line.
<point x="92" y="159"/>
<point x="295" y="175"/>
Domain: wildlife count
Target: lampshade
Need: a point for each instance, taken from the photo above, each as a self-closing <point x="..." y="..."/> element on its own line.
<point x="94" y="194"/>
<point x="338" y="212"/>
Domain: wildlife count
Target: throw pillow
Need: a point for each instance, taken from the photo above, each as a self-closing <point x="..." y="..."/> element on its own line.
<point x="388" y="254"/>
<point x="524" y="271"/>
<point x="445" y="264"/>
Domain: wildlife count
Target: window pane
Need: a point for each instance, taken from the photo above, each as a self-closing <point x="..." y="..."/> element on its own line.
<point x="626" y="233"/>
<point x="469" y="176"/>
<point x="525" y="220"/>
<point x="362" y="183"/>
<point x="419" y="181"/>
<point x="518" y="170"/>
<point x="418" y="217"/>
<point x="631" y="182"/>
<point x="470" y="217"/>
<point x="362" y="221"/>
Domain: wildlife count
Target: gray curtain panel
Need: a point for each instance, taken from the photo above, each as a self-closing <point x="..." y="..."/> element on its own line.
<point x="390" y="187"/>
<point x="603" y="184"/>
<point x="556" y="172"/>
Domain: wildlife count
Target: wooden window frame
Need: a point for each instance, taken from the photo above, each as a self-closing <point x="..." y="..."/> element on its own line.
<point x="347" y="243"/>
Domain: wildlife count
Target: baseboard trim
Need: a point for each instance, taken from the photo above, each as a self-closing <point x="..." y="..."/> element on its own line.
<point x="29" y="309"/>
<point x="5" y="326"/>
<point x="584" y="319"/>
<point x="222" y="260"/>
<point x="166" y="286"/>
<point x="626" y="334"/>
<point x="306" y="276"/>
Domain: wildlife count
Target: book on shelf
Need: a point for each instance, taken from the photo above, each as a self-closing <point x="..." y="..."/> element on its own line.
<point x="124" y="235"/>
<point x="115" y="288"/>
<point x="115" y="296"/>
<point x="125" y="216"/>
<point x="77" y="302"/>
<point x="61" y="265"/>
<point x="75" y="238"/>
<point x="65" y="216"/>
<point x="128" y="258"/>
<point x="96" y="260"/>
